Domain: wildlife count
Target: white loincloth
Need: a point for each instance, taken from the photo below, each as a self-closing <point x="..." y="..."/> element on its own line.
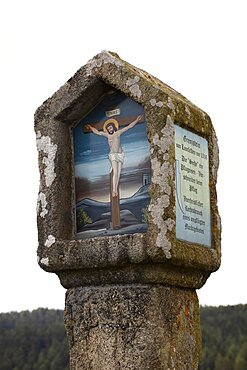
<point x="118" y="157"/>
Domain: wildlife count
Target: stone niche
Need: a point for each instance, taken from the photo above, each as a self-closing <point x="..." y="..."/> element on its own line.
<point x="178" y="241"/>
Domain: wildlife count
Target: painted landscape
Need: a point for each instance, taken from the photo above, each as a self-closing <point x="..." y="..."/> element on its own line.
<point x="94" y="217"/>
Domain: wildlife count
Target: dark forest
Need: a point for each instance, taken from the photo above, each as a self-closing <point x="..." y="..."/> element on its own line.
<point x="37" y="340"/>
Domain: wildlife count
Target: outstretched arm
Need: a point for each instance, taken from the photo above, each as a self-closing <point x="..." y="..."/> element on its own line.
<point x="132" y="124"/>
<point x="95" y="131"/>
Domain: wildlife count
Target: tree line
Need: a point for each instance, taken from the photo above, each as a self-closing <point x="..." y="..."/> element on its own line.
<point x="224" y="338"/>
<point x="33" y="341"/>
<point x="37" y="340"/>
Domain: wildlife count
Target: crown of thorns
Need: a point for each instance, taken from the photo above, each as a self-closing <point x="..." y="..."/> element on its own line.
<point x="110" y="121"/>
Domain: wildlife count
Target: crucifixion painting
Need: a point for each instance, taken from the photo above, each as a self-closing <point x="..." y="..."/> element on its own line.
<point x="112" y="133"/>
<point x="112" y="168"/>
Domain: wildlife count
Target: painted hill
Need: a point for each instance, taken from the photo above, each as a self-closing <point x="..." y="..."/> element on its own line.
<point x="131" y="214"/>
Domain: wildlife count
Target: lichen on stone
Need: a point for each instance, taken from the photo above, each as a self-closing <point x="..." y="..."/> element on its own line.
<point x="160" y="174"/>
<point x="42" y="203"/>
<point x="135" y="91"/>
<point x="45" y="261"/>
<point x="170" y="104"/>
<point x="103" y="58"/>
<point x="49" y="241"/>
<point x="132" y="81"/>
<point x="167" y="137"/>
<point x="45" y="145"/>
<point x="158" y="104"/>
<point x="134" y="87"/>
<point x="163" y="172"/>
<point x="215" y="156"/>
<point x="157" y="210"/>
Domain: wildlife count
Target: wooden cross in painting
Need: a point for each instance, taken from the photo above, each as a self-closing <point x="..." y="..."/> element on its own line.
<point x="110" y="129"/>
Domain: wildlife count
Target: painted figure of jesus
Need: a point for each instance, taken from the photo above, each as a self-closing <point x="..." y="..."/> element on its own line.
<point x="116" y="155"/>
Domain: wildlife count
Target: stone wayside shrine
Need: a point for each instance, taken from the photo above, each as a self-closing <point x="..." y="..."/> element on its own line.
<point x="127" y="215"/>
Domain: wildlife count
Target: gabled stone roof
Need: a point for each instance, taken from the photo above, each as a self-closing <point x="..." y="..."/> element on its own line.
<point x="157" y="256"/>
<point x="112" y="70"/>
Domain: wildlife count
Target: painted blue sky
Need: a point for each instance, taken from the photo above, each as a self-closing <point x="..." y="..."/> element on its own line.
<point x="91" y="151"/>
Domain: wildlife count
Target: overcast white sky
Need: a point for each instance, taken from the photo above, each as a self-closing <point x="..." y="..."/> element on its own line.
<point x="197" y="47"/>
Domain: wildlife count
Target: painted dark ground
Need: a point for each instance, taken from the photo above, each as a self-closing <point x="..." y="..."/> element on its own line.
<point x="92" y="172"/>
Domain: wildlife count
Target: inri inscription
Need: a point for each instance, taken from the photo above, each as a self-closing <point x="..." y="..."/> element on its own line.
<point x="193" y="219"/>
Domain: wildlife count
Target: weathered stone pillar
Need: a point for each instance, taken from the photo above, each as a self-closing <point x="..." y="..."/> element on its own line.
<point x="131" y="298"/>
<point x="133" y="327"/>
